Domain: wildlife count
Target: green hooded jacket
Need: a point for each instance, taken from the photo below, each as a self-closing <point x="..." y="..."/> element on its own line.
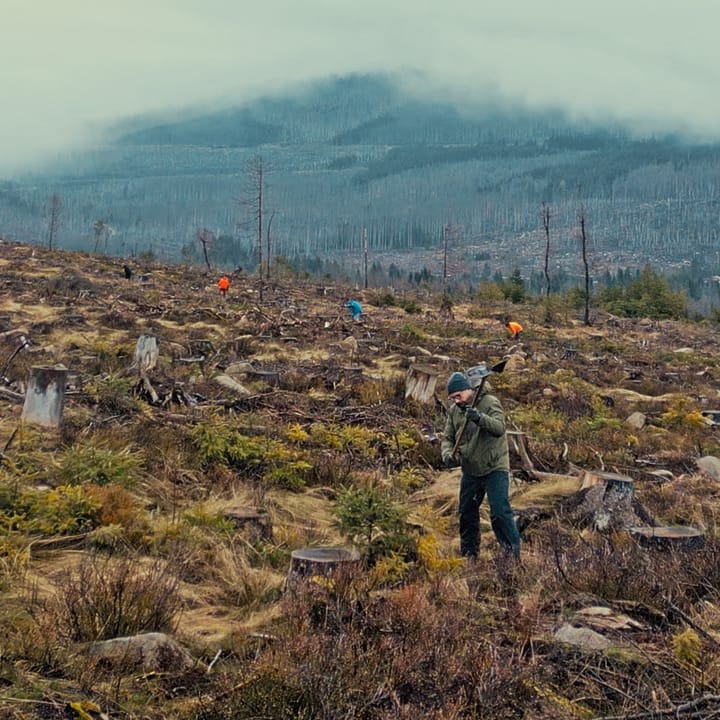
<point x="484" y="446"/>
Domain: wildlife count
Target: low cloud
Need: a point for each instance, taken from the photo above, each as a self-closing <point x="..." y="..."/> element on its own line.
<point x="76" y="67"/>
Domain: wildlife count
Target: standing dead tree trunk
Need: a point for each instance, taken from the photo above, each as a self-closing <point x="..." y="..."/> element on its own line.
<point x="205" y="237"/>
<point x="268" y="245"/>
<point x="450" y="233"/>
<point x="253" y="198"/>
<point x="55" y="209"/>
<point x="584" y="249"/>
<point x="546" y="226"/>
<point x="365" y="256"/>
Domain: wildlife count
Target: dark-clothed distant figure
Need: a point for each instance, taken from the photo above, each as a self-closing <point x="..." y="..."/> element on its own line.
<point x="128" y="272"/>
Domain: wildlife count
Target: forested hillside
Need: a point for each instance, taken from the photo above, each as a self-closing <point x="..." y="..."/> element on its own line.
<point x="357" y="155"/>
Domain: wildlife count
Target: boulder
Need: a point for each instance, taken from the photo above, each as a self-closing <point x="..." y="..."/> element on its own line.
<point x="582" y="637"/>
<point x="709" y="464"/>
<point x="636" y="421"/>
<point x="153" y="651"/>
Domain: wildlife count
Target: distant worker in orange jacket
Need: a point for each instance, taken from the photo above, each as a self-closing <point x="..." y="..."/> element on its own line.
<point x="515" y="329"/>
<point x="223" y="285"/>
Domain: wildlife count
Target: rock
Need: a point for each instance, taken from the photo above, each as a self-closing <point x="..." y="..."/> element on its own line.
<point x="709" y="464"/>
<point x="153" y="651"/>
<point x="515" y="362"/>
<point x="636" y="421"/>
<point x="582" y="637"/>
<point x="231" y="384"/>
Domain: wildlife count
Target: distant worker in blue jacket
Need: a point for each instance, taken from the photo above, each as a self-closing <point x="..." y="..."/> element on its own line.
<point x="355" y="309"/>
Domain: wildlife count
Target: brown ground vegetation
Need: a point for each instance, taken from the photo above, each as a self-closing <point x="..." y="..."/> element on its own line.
<point x="137" y="514"/>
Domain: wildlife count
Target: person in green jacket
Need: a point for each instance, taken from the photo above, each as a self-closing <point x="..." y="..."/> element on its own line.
<point x="484" y="459"/>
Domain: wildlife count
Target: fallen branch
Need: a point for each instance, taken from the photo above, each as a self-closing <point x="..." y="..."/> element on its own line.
<point x="516" y="439"/>
<point x="12" y="396"/>
<point x="691" y="709"/>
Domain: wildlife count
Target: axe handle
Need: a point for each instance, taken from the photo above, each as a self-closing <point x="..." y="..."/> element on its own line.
<point x="463" y="427"/>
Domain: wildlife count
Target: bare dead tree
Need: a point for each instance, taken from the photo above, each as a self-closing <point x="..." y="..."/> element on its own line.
<point x="584" y="249"/>
<point x="365" y="255"/>
<point x="205" y="237"/>
<point x="546" y="226"/>
<point x="450" y="234"/>
<point x="252" y="200"/>
<point x="446" y="239"/>
<point x="102" y="232"/>
<point x="268" y="244"/>
<point x="55" y="210"/>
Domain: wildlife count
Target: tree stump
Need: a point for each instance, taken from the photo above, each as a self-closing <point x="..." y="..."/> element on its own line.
<point x="420" y="383"/>
<point x="308" y="563"/>
<point x="146" y="354"/>
<point x="681" y="537"/>
<point x="256" y="523"/>
<point x="45" y="396"/>
<point x="606" y="502"/>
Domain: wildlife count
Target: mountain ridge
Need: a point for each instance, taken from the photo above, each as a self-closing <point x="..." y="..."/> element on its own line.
<point x="359" y="154"/>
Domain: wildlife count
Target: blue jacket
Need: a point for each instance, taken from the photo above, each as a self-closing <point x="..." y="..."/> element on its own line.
<point x="354" y="306"/>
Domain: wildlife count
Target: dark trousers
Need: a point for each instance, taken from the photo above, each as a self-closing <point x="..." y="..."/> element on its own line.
<point x="473" y="489"/>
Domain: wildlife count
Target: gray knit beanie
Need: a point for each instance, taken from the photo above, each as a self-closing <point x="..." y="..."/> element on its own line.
<point x="458" y="382"/>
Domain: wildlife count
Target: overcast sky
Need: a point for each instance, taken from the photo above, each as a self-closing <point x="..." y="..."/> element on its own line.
<point x="70" y="67"/>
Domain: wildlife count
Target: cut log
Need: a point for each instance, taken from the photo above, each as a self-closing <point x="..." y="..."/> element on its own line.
<point x="11" y="396"/>
<point x="680" y="537"/>
<point x="420" y="383"/>
<point x="308" y="563"/>
<point x="515" y="438"/>
<point x="45" y="396"/>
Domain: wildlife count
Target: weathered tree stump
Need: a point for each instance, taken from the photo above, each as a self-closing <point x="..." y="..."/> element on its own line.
<point x="45" y="396"/>
<point x="420" y="383"/>
<point x="146" y="354"/>
<point x="623" y="484"/>
<point x="681" y="537"/>
<point x="606" y="502"/>
<point x="255" y="522"/>
<point x="307" y="563"/>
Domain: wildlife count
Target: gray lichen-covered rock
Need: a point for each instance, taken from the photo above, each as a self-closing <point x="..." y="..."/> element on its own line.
<point x="711" y="465"/>
<point x="152" y="651"/>
<point x="582" y="637"/>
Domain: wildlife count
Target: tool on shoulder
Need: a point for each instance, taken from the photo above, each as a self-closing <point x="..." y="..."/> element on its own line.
<point x="477" y="376"/>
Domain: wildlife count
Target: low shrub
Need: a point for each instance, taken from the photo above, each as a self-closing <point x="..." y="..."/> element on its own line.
<point x="111" y="597"/>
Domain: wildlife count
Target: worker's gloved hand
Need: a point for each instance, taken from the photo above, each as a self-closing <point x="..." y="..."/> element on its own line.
<point x="449" y="461"/>
<point x="472" y="414"/>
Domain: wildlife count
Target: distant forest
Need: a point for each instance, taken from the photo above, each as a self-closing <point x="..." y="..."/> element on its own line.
<point x="355" y="163"/>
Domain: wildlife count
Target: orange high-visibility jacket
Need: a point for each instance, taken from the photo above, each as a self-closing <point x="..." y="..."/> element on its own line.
<point x="223" y="283"/>
<point x="514" y="327"/>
